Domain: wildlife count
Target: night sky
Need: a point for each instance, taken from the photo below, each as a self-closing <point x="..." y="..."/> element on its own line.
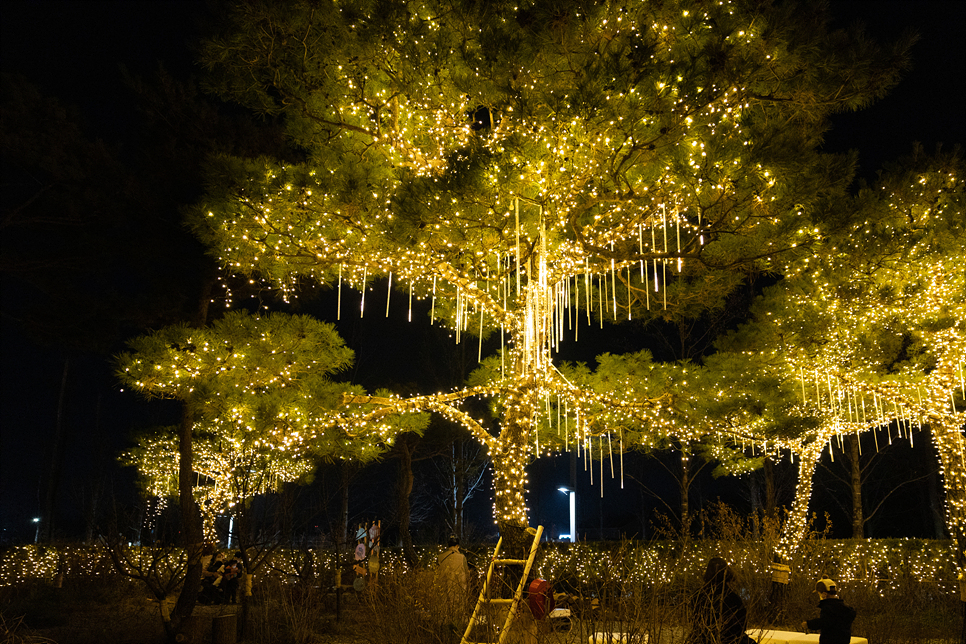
<point x="74" y="51"/>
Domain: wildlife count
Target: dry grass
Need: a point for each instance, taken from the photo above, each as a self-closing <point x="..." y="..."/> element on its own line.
<point x="407" y="608"/>
<point x="83" y="611"/>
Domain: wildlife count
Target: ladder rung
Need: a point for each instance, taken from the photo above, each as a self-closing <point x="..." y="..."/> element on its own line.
<point x="511" y="614"/>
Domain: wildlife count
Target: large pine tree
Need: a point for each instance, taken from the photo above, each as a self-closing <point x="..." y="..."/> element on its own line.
<point x="526" y="164"/>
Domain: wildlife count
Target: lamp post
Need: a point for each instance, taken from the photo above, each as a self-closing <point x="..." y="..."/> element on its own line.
<point x="572" y="493"/>
<point x="37" y="533"/>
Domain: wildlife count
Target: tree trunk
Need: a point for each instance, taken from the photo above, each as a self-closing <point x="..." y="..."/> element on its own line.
<point x="97" y="487"/>
<point x="685" y="487"/>
<point x="509" y="479"/>
<point x="771" y="498"/>
<point x="190" y="525"/>
<point x="341" y="528"/>
<point x="461" y="466"/>
<point x="406" y="446"/>
<point x="797" y="524"/>
<point x="47" y="518"/>
<point x="855" y="470"/>
<point x="793" y="532"/>
<point x="948" y="438"/>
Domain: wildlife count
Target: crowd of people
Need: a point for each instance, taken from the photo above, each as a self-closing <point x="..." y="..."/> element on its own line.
<point x="719" y="615"/>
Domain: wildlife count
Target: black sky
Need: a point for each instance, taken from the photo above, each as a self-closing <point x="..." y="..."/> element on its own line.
<point x="75" y="50"/>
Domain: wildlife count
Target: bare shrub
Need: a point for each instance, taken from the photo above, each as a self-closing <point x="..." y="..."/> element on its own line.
<point x="81" y="611"/>
<point x="288" y="614"/>
<point x="12" y="631"/>
<point x="407" y="606"/>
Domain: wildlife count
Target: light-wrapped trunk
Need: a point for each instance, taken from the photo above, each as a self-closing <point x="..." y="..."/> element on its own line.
<point x="509" y="484"/>
<point x="947" y="436"/>
<point x="793" y="532"/>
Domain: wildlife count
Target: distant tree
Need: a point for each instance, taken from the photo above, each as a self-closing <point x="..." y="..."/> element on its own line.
<point x="867" y="333"/>
<point x="258" y="391"/>
<point x="872" y="470"/>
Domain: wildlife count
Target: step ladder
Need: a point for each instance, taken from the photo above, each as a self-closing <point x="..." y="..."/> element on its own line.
<point x="484" y="615"/>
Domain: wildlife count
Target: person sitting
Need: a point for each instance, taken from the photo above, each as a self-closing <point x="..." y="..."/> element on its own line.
<point x="211" y="579"/>
<point x="835" y="618"/>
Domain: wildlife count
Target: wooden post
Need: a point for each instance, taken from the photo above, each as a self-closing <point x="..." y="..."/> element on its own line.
<point x="224" y="629"/>
<point x="375" y="549"/>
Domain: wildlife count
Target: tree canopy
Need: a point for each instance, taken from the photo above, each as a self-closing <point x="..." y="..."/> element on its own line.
<point x="526" y="165"/>
<point x="866" y="333"/>
<point x="263" y="404"/>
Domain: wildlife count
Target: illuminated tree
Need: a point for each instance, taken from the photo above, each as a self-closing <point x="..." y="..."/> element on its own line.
<point x="917" y="298"/>
<point x="525" y="165"/>
<point x="869" y="330"/>
<point x="231" y="467"/>
<point x="264" y="408"/>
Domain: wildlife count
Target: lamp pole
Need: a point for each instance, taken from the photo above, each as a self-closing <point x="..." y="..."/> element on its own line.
<point x="572" y="494"/>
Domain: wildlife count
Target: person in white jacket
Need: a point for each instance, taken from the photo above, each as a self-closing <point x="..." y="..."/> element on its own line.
<point x="452" y="580"/>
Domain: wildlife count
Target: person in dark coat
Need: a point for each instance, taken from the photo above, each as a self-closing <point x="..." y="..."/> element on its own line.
<point x="719" y="614"/>
<point x="835" y="618"/>
<point x="211" y="578"/>
<point x="231" y="577"/>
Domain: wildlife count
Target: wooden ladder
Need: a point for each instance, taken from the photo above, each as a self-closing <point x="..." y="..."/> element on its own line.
<point x="485" y="604"/>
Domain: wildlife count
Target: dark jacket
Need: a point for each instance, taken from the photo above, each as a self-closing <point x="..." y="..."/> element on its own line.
<point x="719" y="617"/>
<point x="834" y="622"/>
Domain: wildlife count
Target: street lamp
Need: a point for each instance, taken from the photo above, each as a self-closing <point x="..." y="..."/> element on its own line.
<point x="37" y="533"/>
<point x="572" y="493"/>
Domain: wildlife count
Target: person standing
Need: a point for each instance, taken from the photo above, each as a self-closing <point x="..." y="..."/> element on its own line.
<point x="452" y="578"/>
<point x="835" y="618"/>
<point x="720" y="616"/>
<point x="231" y="577"/>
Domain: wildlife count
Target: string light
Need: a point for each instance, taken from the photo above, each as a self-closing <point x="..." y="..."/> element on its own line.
<point x="882" y="564"/>
<point x="555" y="159"/>
<point x="264" y="408"/>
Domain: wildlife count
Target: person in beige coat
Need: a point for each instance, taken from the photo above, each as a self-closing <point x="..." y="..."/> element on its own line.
<point x="452" y="580"/>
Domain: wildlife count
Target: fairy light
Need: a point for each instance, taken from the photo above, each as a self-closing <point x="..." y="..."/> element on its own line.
<point x="899" y="274"/>
<point x="562" y="181"/>
<point x="873" y="563"/>
<point x="265" y="410"/>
